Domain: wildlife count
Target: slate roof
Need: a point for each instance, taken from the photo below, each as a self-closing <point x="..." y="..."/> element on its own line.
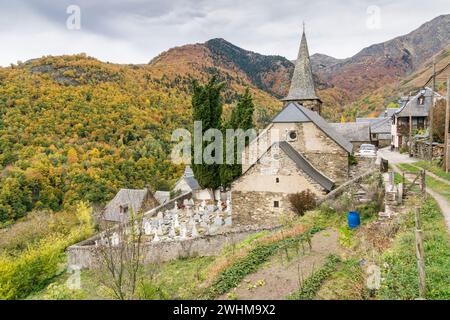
<point x="353" y="131"/>
<point x="388" y="113"/>
<point x="162" y="196"/>
<point x="189" y="177"/>
<point x="365" y="120"/>
<point x="295" y="112"/>
<point x="305" y="166"/>
<point x="382" y="126"/>
<point x="413" y="108"/>
<point x="302" y="83"/>
<point x="135" y="199"/>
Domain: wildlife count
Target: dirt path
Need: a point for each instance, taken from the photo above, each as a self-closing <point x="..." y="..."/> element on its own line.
<point x="444" y="205"/>
<point x="279" y="277"/>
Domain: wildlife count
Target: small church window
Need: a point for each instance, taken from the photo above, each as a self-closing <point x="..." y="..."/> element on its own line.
<point x="277" y="180"/>
<point x="276" y="204"/>
<point x="292" y="135"/>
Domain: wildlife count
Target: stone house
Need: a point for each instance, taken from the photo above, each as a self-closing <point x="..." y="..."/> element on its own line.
<point x="381" y="132"/>
<point x="128" y="201"/>
<point x="297" y="151"/>
<point x="413" y="112"/>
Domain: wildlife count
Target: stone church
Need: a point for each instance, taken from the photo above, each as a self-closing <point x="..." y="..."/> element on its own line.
<point x="297" y="151"/>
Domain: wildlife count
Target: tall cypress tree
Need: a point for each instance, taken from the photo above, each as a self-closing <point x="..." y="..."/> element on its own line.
<point x="241" y="118"/>
<point x="207" y="108"/>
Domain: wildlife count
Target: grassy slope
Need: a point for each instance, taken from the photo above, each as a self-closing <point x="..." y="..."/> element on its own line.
<point x="400" y="269"/>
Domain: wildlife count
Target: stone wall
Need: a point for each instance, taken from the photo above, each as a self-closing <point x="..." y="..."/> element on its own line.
<point x="421" y="150"/>
<point x="85" y="256"/>
<point x="384" y="143"/>
<point x="258" y="207"/>
<point x="322" y="151"/>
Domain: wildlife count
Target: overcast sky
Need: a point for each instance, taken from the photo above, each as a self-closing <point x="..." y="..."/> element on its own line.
<point x="135" y="31"/>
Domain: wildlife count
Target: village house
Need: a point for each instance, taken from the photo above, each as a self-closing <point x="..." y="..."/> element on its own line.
<point x="357" y="133"/>
<point x="412" y="116"/>
<point x="127" y="202"/>
<point x="298" y="150"/>
<point x="380" y="128"/>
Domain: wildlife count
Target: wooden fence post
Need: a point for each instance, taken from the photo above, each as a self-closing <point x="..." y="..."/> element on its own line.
<point x="423" y="187"/>
<point x="420" y="256"/>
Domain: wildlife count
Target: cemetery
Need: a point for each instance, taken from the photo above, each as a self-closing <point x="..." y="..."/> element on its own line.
<point x="180" y="228"/>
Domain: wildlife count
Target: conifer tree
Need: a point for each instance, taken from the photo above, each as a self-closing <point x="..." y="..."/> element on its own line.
<point x="241" y="118"/>
<point x="207" y="108"/>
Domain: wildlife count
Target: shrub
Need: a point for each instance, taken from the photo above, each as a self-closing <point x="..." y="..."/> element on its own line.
<point x="352" y="161"/>
<point x="31" y="269"/>
<point x="303" y="201"/>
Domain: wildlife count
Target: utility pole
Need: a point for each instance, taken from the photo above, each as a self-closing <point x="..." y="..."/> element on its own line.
<point x="446" y="136"/>
<point x="431" y="111"/>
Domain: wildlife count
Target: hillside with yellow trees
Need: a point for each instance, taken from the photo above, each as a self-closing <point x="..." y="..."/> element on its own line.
<point x="74" y="128"/>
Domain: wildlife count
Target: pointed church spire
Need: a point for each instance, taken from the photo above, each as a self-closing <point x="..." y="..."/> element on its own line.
<point x="302" y="84"/>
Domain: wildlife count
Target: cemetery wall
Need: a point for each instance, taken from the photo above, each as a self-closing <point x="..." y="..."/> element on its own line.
<point x="84" y="256"/>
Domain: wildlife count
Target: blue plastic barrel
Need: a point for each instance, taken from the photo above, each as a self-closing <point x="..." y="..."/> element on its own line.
<point x="353" y="219"/>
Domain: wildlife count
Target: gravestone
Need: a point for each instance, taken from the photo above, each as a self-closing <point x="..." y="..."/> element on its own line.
<point x="183" y="232"/>
<point x="194" y="231"/>
<point x="148" y="228"/>
<point x="228" y="207"/>
<point x="115" y="239"/>
<point x="218" y="220"/>
<point x="172" y="232"/>
<point x="176" y="222"/>
<point x="159" y="230"/>
<point x="228" y="221"/>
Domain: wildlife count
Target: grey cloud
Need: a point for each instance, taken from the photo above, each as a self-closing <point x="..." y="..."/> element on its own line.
<point x="134" y="31"/>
